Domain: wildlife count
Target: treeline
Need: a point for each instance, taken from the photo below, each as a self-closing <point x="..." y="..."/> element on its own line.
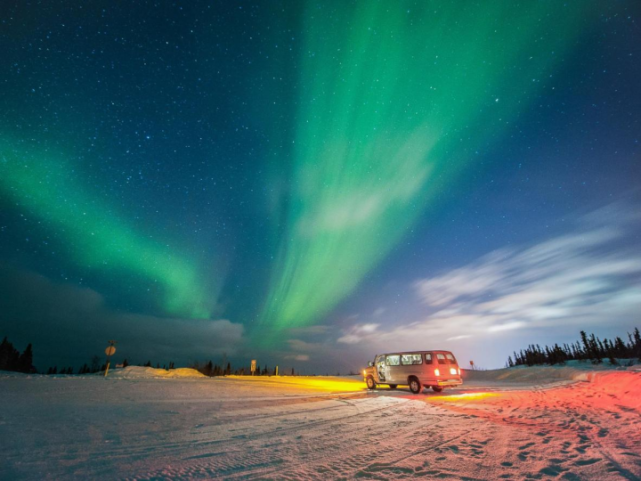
<point x="210" y="369"/>
<point x="94" y="366"/>
<point x="589" y="348"/>
<point x="12" y="360"/>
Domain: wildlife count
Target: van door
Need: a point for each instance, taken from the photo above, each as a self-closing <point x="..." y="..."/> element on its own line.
<point x="380" y="368"/>
<point x="393" y="365"/>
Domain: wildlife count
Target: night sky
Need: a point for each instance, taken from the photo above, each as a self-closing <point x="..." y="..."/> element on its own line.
<point x="311" y="183"/>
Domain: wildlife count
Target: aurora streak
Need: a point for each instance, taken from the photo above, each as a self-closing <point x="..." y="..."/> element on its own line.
<point x="96" y="238"/>
<point x="394" y="100"/>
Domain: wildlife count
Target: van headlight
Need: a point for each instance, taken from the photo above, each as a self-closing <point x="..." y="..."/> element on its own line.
<point x="453" y="371"/>
<point x="437" y="372"/>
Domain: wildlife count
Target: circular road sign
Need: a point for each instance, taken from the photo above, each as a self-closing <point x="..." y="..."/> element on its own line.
<point x="110" y="351"/>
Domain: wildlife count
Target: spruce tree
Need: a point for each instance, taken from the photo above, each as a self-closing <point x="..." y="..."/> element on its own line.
<point x="25" y="363"/>
<point x="95" y="364"/>
<point x="5" y="354"/>
<point x="208" y="370"/>
<point x="586" y="345"/>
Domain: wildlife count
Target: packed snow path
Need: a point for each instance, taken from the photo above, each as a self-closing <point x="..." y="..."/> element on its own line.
<point x="316" y="428"/>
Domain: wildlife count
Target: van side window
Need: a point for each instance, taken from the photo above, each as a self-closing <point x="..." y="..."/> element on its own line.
<point x="393" y="360"/>
<point x="428" y="358"/>
<point x="411" y="359"/>
<point x="441" y="359"/>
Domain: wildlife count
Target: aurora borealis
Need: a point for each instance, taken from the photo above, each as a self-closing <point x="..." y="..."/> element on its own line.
<point x="387" y="92"/>
<point x="100" y="240"/>
<point x="297" y="173"/>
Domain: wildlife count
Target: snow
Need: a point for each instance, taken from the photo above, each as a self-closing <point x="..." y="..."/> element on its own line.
<point x="542" y="422"/>
<point x="139" y="372"/>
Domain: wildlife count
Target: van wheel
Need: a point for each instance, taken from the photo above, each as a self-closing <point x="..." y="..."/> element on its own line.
<point x="415" y="385"/>
<point x="437" y="388"/>
<point x="393" y="386"/>
<point x="371" y="384"/>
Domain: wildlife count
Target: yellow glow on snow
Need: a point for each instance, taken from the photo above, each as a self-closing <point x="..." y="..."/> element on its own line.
<point x="326" y="384"/>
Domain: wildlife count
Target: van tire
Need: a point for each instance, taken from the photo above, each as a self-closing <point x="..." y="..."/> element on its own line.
<point x="437" y="388"/>
<point x="371" y="384"/>
<point x="393" y="386"/>
<point x="415" y="385"/>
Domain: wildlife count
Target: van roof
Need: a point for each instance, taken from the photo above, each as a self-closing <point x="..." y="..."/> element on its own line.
<point x="414" y="352"/>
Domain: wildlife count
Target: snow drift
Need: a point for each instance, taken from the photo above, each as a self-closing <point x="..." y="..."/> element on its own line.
<point x="140" y="372"/>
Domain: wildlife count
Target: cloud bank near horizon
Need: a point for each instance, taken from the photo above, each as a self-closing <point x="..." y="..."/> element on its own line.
<point x="70" y="324"/>
<point x="589" y="278"/>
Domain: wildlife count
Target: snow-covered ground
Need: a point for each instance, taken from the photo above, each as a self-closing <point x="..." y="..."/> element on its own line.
<point x="141" y="424"/>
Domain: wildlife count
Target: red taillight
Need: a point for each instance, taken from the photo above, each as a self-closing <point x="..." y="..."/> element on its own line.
<point x="437" y="372"/>
<point x="453" y="371"/>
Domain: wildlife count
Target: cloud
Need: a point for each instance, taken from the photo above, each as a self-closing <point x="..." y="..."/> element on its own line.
<point x="71" y="324"/>
<point x="589" y="277"/>
<point x="298" y="345"/>
<point x="309" y="330"/>
<point x="357" y="332"/>
<point x="457" y="338"/>
<point x="297" y="357"/>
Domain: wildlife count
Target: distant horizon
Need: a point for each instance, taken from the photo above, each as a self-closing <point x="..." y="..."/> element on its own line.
<point x="116" y="363"/>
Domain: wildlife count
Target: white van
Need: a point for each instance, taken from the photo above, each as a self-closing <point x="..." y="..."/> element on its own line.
<point x="418" y="369"/>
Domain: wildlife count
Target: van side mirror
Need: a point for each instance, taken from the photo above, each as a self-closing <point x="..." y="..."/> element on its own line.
<point x="370" y="364"/>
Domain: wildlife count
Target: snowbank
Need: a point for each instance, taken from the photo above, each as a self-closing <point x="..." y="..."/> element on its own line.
<point x="139" y="372"/>
<point x="13" y="374"/>
<point x="529" y="375"/>
<point x="572" y="371"/>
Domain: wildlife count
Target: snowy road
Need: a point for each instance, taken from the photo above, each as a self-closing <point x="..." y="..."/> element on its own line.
<point x="289" y="428"/>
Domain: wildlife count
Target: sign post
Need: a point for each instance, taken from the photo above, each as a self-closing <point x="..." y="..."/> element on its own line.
<point x="253" y="367"/>
<point x="110" y="351"/>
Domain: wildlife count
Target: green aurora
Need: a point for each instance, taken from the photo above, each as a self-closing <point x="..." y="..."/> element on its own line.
<point x="97" y="239"/>
<point x="394" y="100"/>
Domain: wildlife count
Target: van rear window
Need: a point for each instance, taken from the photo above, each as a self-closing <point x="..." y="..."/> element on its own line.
<point x="450" y="358"/>
<point x="441" y="359"/>
<point x="428" y="358"/>
<point x="411" y="359"/>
